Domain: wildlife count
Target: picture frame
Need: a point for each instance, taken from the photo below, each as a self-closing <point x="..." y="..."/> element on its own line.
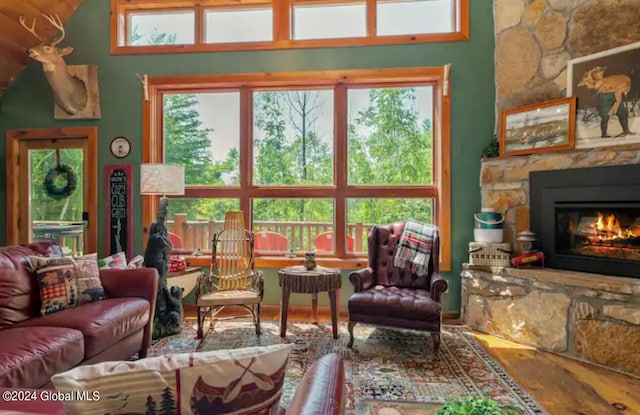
<point x="118" y="193"/>
<point x="599" y="81"/>
<point x="538" y="128"/>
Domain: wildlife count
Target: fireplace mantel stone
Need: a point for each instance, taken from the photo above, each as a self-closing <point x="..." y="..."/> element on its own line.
<point x="592" y="317"/>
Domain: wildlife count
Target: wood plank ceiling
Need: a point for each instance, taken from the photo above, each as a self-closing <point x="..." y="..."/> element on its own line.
<point x="15" y="40"/>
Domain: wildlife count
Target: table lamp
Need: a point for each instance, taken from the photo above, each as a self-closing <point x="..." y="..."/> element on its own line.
<point x="164" y="180"/>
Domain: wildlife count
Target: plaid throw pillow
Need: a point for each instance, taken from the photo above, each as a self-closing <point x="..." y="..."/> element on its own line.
<point x="57" y="281"/>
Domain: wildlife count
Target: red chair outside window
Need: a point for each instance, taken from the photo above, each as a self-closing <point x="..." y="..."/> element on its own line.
<point x="270" y="241"/>
<point x="324" y="242"/>
<point x="175" y="240"/>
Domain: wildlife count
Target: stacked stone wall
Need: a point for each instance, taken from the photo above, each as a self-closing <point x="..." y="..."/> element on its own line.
<point x="587" y="316"/>
<point x="536" y="38"/>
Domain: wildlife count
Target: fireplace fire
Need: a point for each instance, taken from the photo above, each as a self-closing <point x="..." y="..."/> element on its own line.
<point x="613" y="235"/>
<point x="588" y="219"/>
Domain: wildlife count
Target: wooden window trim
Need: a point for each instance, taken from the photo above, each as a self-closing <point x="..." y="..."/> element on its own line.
<point x="282" y="12"/>
<point x="340" y="79"/>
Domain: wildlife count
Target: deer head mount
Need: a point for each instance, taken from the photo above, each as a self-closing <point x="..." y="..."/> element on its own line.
<point x="69" y="91"/>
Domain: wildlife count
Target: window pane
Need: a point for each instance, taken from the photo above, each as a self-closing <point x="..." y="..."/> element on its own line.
<point x="364" y="213"/>
<point x="414" y="16"/>
<point x="240" y="25"/>
<point x="293" y="137"/>
<point x="390" y="136"/>
<point x="301" y="221"/>
<point x="56" y="220"/>
<point x="332" y="21"/>
<point x="166" y="28"/>
<point x="194" y="221"/>
<point x="202" y="133"/>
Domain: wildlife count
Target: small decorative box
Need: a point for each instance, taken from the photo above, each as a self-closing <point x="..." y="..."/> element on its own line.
<point x="495" y="255"/>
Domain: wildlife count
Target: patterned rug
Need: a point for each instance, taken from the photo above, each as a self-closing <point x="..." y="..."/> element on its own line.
<point x="384" y="365"/>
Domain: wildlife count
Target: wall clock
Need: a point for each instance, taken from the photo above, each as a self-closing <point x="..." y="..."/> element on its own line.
<point x="120" y="147"/>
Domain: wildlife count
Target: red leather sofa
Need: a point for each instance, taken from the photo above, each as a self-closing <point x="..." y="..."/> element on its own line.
<point x="34" y="347"/>
<point x="321" y="390"/>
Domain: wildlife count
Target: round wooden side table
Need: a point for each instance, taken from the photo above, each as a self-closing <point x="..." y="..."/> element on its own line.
<point x="298" y="279"/>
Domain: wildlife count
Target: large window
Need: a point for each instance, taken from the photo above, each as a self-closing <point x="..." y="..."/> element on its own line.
<point x="312" y="158"/>
<point x="158" y="26"/>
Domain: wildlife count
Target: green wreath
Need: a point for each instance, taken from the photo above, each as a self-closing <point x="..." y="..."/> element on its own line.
<point x="67" y="174"/>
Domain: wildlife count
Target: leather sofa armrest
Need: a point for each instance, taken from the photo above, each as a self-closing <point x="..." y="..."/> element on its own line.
<point x="140" y="282"/>
<point x="438" y="285"/>
<point x="322" y="389"/>
<point x="361" y="279"/>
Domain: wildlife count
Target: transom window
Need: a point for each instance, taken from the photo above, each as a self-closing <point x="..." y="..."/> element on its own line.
<point x="158" y="26"/>
<point x="314" y="159"/>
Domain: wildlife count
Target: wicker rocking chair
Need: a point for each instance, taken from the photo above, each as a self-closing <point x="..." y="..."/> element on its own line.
<point x="232" y="280"/>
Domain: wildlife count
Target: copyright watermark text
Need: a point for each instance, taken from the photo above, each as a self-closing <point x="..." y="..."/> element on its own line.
<point x="49" y="395"/>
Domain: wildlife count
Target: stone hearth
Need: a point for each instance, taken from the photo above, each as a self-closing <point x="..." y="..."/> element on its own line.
<point x="587" y="316"/>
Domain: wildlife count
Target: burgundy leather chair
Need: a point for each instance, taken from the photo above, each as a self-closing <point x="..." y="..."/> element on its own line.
<point x="389" y="296"/>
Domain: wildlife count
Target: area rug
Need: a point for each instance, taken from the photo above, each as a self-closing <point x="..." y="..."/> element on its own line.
<point x="384" y="364"/>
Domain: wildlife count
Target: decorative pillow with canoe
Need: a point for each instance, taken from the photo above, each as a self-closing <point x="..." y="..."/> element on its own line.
<point x="245" y="381"/>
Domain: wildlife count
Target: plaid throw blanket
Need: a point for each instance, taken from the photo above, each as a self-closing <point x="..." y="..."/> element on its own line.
<point x="414" y="248"/>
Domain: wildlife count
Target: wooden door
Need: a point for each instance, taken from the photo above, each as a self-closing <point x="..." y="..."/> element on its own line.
<point x="42" y="202"/>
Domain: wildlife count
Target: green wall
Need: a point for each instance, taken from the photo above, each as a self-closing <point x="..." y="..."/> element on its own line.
<point x="28" y="103"/>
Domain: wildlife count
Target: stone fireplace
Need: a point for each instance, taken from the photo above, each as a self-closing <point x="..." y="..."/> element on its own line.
<point x="592" y="316"/>
<point x="588" y="219"/>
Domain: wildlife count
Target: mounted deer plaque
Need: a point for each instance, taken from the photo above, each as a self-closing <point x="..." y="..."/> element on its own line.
<point x="75" y="88"/>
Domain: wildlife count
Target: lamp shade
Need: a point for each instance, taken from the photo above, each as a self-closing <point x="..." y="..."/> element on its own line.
<point x="161" y="179"/>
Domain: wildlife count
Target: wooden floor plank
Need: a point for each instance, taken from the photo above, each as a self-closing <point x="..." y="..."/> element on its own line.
<point x="566" y="386"/>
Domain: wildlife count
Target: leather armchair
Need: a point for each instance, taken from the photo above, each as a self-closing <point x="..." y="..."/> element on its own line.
<point x="389" y="296"/>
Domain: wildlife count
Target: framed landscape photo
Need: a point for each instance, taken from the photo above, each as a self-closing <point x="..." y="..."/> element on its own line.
<point x="607" y="86"/>
<point x="538" y="128"/>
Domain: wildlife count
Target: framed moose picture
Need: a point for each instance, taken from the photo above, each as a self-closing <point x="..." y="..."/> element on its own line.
<point x="607" y="85"/>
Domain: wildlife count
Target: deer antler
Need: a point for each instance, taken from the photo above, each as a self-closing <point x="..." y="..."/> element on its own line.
<point x="31" y="29"/>
<point x="55" y="21"/>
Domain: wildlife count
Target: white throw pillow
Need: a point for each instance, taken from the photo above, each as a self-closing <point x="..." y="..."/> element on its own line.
<point x="234" y="382"/>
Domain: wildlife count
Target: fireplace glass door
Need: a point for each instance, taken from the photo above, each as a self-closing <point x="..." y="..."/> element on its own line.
<point x="604" y="232"/>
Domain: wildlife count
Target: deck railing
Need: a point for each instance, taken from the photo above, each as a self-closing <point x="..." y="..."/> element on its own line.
<point x="68" y="234"/>
<point x="300" y="235"/>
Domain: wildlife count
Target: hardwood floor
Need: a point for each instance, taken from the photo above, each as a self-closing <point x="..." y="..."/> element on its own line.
<point x="561" y="385"/>
<point x="566" y="386"/>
